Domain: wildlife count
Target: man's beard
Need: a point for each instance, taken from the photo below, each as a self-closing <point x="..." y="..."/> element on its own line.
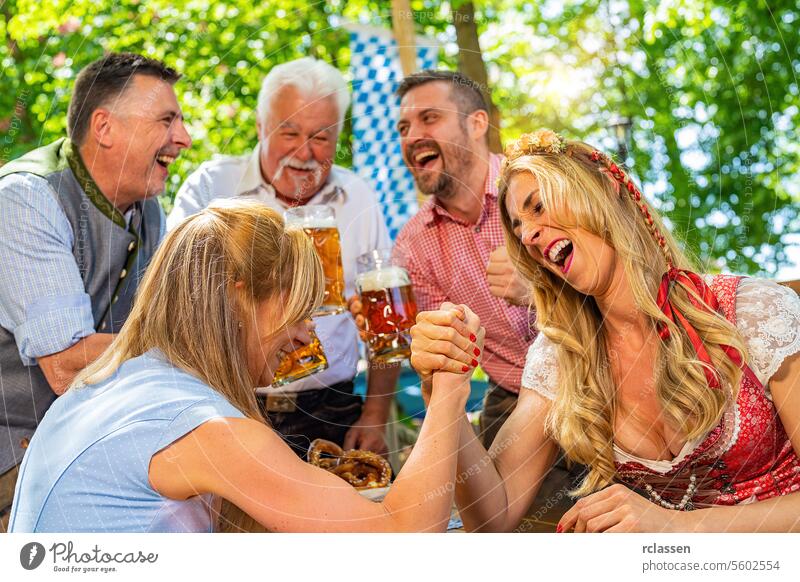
<point x="455" y="165"/>
<point x="303" y="186"/>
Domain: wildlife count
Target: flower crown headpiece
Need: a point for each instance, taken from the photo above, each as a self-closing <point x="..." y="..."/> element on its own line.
<point x="541" y="141"/>
<point x="548" y="142"/>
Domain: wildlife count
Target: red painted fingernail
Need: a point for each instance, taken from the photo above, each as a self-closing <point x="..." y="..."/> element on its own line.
<point x="477" y="352"/>
<point x="559" y="529"/>
<point x="474" y="363"/>
<point x="465" y="368"/>
<point x="472" y="337"/>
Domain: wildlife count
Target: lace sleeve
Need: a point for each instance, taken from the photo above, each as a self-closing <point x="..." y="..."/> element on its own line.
<point x="768" y="316"/>
<point x="541" y="368"/>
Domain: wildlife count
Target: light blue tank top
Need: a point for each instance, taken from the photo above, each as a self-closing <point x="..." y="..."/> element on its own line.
<point x="86" y="468"/>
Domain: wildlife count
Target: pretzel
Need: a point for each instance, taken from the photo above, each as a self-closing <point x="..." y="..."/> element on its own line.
<point x="320" y="447"/>
<point x="362" y="469"/>
<point x="371" y="470"/>
<point x="359" y="475"/>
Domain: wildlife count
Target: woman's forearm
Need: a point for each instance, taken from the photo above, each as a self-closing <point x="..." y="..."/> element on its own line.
<point x="422" y="496"/>
<point x="779" y="514"/>
<point x="480" y="491"/>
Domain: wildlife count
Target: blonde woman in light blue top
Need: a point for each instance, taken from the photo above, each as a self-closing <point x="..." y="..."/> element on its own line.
<point x="163" y="429"/>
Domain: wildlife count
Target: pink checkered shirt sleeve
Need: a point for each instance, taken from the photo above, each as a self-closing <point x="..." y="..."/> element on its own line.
<point x="427" y="294"/>
<point x="446" y="259"/>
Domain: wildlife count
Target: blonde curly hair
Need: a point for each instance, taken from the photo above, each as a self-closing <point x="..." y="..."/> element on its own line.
<point x="579" y="187"/>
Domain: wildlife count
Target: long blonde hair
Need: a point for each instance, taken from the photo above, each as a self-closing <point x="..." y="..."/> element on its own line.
<point x="188" y="307"/>
<point x="578" y="190"/>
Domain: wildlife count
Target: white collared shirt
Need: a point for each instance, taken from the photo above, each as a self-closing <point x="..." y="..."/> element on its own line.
<point x="361" y="229"/>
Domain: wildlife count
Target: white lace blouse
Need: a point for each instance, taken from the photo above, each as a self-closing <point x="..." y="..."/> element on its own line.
<point x="768" y="317"/>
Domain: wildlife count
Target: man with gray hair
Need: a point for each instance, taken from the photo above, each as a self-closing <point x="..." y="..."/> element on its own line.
<point x="301" y="109"/>
<point x="79" y="223"/>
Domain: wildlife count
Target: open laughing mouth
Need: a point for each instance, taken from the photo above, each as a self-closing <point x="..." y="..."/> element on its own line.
<point x="559" y="253"/>
<point x="287" y="349"/>
<point x="298" y="169"/>
<point x="425" y="157"/>
<point x="164" y="160"/>
<point x="309" y="172"/>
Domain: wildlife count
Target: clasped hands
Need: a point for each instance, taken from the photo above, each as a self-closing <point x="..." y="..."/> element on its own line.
<point x="447" y="342"/>
<point x="449" y="339"/>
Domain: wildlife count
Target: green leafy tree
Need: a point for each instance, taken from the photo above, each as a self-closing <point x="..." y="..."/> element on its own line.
<point x="223" y="51"/>
<point x="710" y="87"/>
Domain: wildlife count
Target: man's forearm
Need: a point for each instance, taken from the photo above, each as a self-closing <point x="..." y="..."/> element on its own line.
<point x="381" y="384"/>
<point x="61" y="368"/>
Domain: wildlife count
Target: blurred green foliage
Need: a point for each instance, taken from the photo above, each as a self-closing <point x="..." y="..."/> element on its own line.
<point x="710" y="87"/>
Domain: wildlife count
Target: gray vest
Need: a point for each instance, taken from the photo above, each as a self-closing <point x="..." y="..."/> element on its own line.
<point x="111" y="258"/>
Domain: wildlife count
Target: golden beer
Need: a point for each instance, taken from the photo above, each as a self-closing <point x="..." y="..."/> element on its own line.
<point x="302" y="362"/>
<point x="319" y="223"/>
<point x="326" y="241"/>
<point x="389" y="308"/>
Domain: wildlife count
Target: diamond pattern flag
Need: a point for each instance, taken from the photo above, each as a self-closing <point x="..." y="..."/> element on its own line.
<point x="376" y="71"/>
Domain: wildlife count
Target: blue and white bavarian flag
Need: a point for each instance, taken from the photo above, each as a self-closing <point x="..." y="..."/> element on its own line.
<point x="375" y="67"/>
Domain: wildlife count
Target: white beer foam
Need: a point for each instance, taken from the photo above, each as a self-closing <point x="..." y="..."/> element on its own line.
<point x="315" y="222"/>
<point x="385" y="278"/>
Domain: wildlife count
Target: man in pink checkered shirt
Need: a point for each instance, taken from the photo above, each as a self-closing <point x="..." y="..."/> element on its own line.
<point x="453" y="248"/>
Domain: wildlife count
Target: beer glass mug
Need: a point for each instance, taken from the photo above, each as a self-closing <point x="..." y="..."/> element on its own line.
<point x="388" y="303"/>
<point x="319" y="222"/>
<point x="302" y="362"/>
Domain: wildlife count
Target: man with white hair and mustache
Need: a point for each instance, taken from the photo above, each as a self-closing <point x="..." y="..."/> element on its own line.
<point x="301" y="109"/>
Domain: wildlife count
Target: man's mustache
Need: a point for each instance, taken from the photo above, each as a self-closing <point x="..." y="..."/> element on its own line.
<point x="313" y="166"/>
<point x="298" y="164"/>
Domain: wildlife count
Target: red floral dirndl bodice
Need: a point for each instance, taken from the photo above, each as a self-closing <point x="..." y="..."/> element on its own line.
<point x="747" y="457"/>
